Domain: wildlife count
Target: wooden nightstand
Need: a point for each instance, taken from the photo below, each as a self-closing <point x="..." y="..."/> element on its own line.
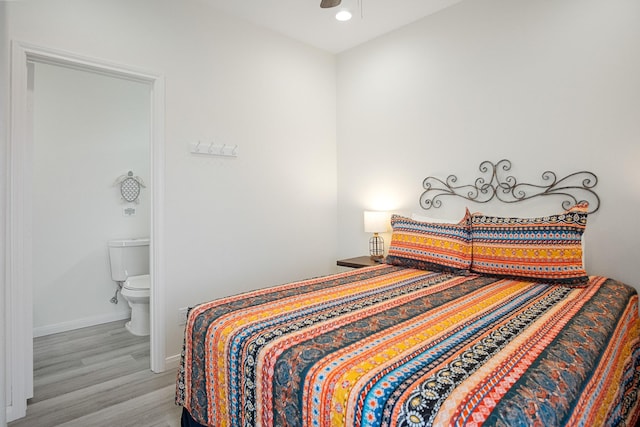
<point x="358" y="262"/>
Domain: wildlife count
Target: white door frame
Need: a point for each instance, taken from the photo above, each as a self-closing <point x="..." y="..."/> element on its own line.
<point x="19" y="294"/>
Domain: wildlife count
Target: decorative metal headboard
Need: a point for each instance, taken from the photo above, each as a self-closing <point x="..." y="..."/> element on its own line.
<point x="573" y="188"/>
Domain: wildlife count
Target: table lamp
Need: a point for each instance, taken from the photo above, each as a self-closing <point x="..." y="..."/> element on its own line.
<point x="376" y="222"/>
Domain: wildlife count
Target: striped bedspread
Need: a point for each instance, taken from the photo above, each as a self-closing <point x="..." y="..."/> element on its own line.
<point x="394" y="346"/>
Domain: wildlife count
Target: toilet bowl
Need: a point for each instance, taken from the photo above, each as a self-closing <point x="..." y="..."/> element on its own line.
<point x="136" y="291"/>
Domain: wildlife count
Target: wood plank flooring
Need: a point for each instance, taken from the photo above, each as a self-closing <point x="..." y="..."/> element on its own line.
<point x="98" y="376"/>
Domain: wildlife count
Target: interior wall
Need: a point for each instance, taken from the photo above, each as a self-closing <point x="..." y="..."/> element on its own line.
<point x="89" y="129"/>
<point x="549" y="85"/>
<point x="231" y="224"/>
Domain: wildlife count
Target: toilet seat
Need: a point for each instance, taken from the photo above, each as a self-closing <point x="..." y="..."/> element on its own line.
<point x="137" y="284"/>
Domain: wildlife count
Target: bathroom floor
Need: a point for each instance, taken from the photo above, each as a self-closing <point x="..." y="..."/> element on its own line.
<point x="98" y="376"/>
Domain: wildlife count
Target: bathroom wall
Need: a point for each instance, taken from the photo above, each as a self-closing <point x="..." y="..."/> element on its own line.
<point x="89" y="129"/>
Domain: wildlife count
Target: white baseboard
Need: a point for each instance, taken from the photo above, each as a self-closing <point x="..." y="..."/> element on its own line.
<point x="172" y="362"/>
<point x="70" y="325"/>
<point x="12" y="414"/>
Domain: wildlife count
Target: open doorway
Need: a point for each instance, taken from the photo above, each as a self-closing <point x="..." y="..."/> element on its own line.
<point x="89" y="129"/>
<point x="20" y="223"/>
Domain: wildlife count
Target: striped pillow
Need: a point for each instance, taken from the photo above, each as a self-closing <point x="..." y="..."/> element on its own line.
<point x="431" y="245"/>
<point x="547" y="248"/>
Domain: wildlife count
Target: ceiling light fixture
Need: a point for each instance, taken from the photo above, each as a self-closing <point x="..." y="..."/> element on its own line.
<point x="343" y="15"/>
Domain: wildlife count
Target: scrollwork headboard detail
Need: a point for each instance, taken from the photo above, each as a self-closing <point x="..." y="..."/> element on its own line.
<point x="497" y="184"/>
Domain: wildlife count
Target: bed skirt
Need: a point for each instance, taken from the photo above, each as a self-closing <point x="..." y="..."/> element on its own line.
<point x="187" y="420"/>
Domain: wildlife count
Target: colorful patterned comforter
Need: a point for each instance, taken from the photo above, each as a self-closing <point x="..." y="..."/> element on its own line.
<point x="393" y="346"/>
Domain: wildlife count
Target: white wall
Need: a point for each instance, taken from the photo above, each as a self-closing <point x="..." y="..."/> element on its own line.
<point x="263" y="218"/>
<point x="549" y="85"/>
<point x="89" y="129"/>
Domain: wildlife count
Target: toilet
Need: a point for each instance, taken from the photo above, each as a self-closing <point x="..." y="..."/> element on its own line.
<point x="136" y="291"/>
<point x="129" y="259"/>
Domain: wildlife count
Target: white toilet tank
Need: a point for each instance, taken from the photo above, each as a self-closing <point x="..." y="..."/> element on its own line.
<point x="128" y="257"/>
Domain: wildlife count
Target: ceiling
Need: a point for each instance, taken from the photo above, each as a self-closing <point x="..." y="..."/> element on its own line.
<point x="304" y="20"/>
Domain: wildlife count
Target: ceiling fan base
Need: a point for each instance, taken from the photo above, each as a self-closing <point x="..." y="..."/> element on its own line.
<point x="325" y="4"/>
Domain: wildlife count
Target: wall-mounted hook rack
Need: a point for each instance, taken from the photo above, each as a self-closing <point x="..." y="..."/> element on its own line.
<point x="212" y="149"/>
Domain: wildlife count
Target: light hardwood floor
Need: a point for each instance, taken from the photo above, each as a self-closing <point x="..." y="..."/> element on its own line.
<point x="98" y="376"/>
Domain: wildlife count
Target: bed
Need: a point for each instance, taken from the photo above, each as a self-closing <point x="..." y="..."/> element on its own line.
<point x="486" y="321"/>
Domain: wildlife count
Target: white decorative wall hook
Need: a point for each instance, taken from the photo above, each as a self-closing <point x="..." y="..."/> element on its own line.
<point x="213" y="149"/>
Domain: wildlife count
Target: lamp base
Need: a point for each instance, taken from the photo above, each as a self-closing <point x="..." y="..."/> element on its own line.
<point x="376" y="247"/>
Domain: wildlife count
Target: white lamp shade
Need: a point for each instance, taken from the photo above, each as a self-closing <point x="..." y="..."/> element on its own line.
<point x="376" y="222"/>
